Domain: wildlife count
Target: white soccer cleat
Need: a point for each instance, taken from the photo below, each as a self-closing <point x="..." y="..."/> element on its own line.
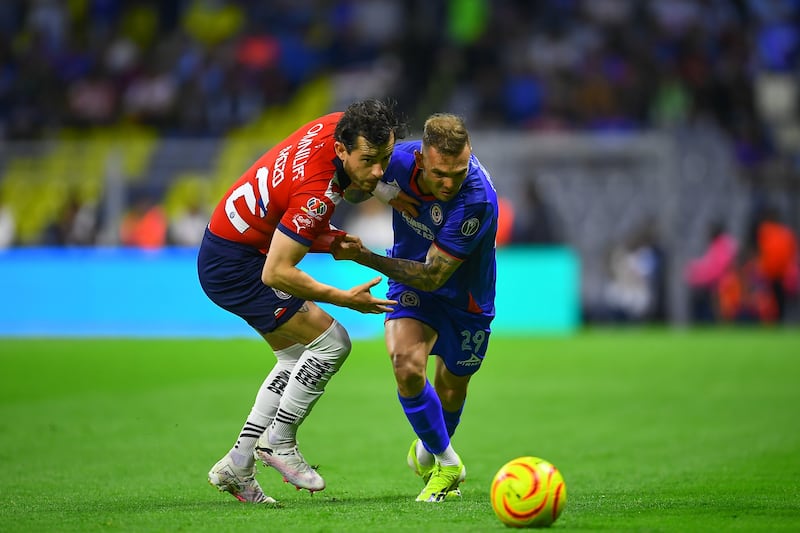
<point x="291" y="464"/>
<point x="239" y="482"/>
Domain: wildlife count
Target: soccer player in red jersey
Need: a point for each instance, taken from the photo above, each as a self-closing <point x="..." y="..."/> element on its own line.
<point x="269" y="219"/>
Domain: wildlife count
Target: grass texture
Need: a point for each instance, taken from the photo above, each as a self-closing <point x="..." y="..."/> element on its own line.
<point x="653" y="430"/>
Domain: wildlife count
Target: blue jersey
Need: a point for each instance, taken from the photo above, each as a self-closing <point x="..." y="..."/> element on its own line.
<point x="464" y="227"/>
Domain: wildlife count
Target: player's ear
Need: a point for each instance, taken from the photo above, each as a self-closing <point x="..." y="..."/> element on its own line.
<point x="340" y="149"/>
<point x="418" y="158"/>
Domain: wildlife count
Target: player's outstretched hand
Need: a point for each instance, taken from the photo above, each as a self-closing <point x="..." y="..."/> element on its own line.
<point x="361" y="300"/>
<point x="347" y="247"/>
<point x="405" y="203"/>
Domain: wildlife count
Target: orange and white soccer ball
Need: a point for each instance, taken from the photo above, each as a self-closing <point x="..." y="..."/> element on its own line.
<point x="528" y="492"/>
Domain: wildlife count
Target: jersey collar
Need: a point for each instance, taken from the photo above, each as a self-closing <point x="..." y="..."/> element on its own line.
<point x="340" y="175"/>
<point x="415" y="186"/>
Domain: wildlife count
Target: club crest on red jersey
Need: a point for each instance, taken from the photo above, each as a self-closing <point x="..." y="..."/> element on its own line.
<point x="301" y="222"/>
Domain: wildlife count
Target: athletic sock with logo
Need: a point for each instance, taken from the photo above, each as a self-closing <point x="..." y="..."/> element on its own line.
<point x="321" y="359"/>
<point x="424" y="412"/>
<point x="265" y="405"/>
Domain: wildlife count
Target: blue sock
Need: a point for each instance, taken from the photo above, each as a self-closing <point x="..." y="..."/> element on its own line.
<point x="424" y="412"/>
<point x="451" y="419"/>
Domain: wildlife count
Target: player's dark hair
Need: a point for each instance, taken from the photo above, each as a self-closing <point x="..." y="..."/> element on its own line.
<point x="375" y="120"/>
<point x="446" y="133"/>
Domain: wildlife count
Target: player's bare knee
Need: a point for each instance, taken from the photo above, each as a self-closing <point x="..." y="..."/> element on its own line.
<point x="410" y="378"/>
<point x="411" y="386"/>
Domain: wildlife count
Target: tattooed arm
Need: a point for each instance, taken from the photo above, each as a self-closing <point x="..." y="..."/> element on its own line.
<point x="427" y="276"/>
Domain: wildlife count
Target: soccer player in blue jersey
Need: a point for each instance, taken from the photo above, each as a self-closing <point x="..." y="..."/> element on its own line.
<point x="442" y="274"/>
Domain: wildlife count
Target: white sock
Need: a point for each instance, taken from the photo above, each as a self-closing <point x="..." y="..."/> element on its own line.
<point x="424" y="457"/>
<point x="265" y="406"/>
<point x="449" y="457"/>
<point x="321" y="360"/>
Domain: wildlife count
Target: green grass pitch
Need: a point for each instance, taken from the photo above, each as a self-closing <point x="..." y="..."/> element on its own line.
<point x="653" y="430"/>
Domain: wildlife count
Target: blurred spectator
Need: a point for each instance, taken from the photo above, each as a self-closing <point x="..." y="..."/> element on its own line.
<point x="76" y="225"/>
<point x="670" y="104"/>
<point x="47" y="20"/>
<point x="776" y="245"/>
<point x="150" y="98"/>
<point x="635" y="292"/>
<point x="187" y="228"/>
<point x="506" y="217"/>
<point x="7" y="227"/>
<point x="535" y="222"/>
<point x="144" y="225"/>
<point x="211" y="22"/>
<point x="704" y="273"/>
<point x="92" y="100"/>
<point x="744" y="294"/>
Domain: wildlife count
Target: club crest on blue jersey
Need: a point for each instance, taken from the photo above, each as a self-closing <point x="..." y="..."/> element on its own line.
<point x="470" y="227"/>
<point x="436" y="214"/>
<point x="409" y="299"/>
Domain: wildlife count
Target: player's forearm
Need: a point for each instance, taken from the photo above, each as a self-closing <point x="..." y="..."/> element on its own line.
<point x="300" y="284"/>
<point x="422" y="276"/>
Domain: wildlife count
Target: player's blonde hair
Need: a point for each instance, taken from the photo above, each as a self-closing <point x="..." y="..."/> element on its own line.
<point x="446" y="133"/>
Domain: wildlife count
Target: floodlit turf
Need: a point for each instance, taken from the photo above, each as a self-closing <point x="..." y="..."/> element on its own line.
<point x="653" y="431"/>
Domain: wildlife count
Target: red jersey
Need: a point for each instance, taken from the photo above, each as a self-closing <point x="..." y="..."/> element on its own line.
<point x="291" y="188"/>
<point x="777" y="248"/>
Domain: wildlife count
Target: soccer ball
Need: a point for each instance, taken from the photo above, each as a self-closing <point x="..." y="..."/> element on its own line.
<point x="528" y="492"/>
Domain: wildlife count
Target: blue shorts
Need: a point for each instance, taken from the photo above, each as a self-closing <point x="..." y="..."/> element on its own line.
<point x="463" y="336"/>
<point x="230" y="274"/>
